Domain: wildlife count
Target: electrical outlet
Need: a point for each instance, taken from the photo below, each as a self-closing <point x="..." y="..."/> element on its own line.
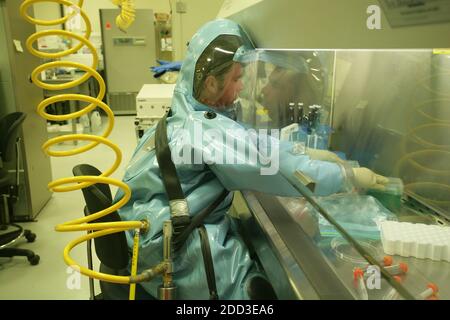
<point x="181" y="7"/>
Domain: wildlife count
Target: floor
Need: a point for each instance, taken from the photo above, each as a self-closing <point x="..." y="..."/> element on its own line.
<point x="51" y="278"/>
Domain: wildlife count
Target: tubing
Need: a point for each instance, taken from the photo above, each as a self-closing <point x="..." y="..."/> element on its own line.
<point x="80" y="182"/>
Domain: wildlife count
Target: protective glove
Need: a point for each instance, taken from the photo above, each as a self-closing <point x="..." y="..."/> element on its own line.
<point x="165" y="66"/>
<point x="367" y="179"/>
<point x="324" y="155"/>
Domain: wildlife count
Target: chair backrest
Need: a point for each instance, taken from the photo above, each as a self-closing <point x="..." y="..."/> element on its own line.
<point x="9" y="131"/>
<point x="112" y="249"/>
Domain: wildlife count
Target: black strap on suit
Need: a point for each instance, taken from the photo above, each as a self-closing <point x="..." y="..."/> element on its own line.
<point x="183" y="226"/>
<point x="166" y="165"/>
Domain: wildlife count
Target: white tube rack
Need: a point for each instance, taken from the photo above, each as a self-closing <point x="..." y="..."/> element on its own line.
<point x="416" y="240"/>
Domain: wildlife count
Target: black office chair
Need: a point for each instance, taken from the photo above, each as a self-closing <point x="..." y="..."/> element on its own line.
<point x="112" y="250"/>
<point x="9" y="189"/>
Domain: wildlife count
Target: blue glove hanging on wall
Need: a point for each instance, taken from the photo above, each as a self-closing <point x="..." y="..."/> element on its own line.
<point x="165" y="66"/>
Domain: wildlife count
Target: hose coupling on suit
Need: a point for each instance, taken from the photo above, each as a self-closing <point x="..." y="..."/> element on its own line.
<point x="145" y="226"/>
<point x="151" y="273"/>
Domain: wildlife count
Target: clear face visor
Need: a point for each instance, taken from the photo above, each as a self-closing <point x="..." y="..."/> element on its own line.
<point x="282" y="88"/>
<point x="216" y="60"/>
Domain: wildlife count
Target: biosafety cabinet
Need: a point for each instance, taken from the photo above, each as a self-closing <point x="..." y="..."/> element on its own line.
<point x="378" y="100"/>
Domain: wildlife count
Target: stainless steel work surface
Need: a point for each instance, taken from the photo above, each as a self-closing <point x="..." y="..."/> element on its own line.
<point x="303" y="261"/>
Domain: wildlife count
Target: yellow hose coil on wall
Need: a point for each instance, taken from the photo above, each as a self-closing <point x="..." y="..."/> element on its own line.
<point x="80" y="182"/>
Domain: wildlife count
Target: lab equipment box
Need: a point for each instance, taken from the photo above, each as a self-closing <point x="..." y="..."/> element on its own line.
<point x="152" y="103"/>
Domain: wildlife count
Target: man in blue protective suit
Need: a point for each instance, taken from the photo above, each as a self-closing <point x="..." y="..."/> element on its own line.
<point x="208" y="84"/>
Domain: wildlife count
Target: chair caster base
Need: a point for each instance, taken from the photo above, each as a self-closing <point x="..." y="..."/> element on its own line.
<point x="30" y="236"/>
<point x="34" y="260"/>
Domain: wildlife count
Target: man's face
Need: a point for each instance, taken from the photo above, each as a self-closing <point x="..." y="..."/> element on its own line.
<point x="232" y="85"/>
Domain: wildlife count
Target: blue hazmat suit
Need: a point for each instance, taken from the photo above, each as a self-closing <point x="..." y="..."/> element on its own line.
<point x="202" y="181"/>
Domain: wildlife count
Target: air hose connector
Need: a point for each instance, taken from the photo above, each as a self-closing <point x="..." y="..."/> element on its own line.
<point x="149" y="274"/>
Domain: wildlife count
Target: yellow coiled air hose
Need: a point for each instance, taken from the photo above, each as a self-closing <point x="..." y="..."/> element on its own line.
<point x="80" y="182"/>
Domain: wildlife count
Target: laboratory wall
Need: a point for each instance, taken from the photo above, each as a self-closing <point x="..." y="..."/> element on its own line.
<point x="184" y="25"/>
<point x="186" y="18"/>
<point x="92" y="7"/>
<point x="47" y="10"/>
